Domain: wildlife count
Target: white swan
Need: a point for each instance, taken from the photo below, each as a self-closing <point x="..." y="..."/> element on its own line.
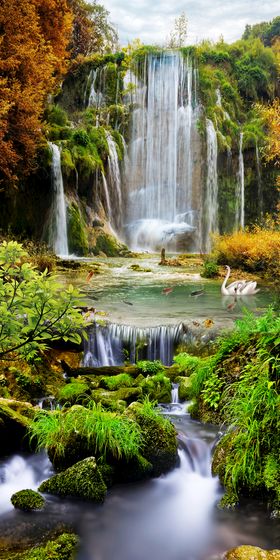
<point x="248" y="289"/>
<point x="231" y="289"/>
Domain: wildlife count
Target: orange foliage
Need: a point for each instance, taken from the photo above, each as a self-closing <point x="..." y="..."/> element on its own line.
<point x="271" y="114"/>
<point x="258" y="250"/>
<point x="30" y="53"/>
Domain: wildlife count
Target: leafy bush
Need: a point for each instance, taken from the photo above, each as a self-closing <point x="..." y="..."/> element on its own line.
<point x="210" y="269"/>
<point x="81" y="137"/>
<point x="72" y="392"/>
<point x="186" y="362"/>
<point x="146" y="366"/>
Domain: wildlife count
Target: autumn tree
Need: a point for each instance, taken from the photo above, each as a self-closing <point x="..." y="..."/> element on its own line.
<point x="92" y="31"/>
<point x="33" y="39"/>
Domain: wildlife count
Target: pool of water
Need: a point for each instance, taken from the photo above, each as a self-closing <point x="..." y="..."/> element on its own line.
<point x="173" y="517"/>
<point x="166" y="295"/>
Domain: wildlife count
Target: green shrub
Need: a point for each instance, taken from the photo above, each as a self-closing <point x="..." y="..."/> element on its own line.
<point x="210" y="269"/>
<point x="146" y="366"/>
<point x="73" y="392"/>
<point x="186" y="362"/>
<point x="27" y="500"/>
<point x="56" y="115"/>
<point x="81" y="137"/>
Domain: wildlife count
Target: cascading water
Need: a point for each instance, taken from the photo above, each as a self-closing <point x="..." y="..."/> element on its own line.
<point x="114" y="178"/>
<point x="159" y="176"/>
<point x="239" y="192"/>
<point x="107" y="345"/>
<point x="211" y="199"/>
<point x="175" y="393"/>
<point x="259" y="178"/>
<point x="58" y="225"/>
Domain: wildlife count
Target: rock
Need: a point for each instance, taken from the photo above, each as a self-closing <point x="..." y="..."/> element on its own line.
<point x="247" y="552"/>
<point x="159" y="439"/>
<point x="184" y="391"/>
<point x="157" y="387"/>
<point x="82" y="480"/>
<point x="131" y="470"/>
<point x="97" y="223"/>
<point x="27" y="500"/>
<point x="14" y="425"/>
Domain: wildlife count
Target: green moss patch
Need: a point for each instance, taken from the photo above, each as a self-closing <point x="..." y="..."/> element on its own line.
<point x="27" y="500"/>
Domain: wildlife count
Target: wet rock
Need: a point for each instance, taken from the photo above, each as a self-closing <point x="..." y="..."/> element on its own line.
<point x="82" y="480"/>
<point x="247" y="552"/>
<point x="27" y="500"/>
<point x="14" y="423"/>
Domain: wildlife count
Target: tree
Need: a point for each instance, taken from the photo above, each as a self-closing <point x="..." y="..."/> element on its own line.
<point x="178" y="34"/>
<point x="34" y="307"/>
<point x="92" y="31"/>
<point x="33" y="40"/>
<point x="271" y="114"/>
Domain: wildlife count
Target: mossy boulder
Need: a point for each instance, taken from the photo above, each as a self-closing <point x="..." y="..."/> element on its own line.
<point x="82" y="480"/>
<point x="248" y="552"/>
<point x="113" y="383"/>
<point x="159" y="439"/>
<point x="184" y="389"/>
<point x="114" y="399"/>
<point x="109" y="245"/>
<point x="157" y="387"/>
<point x="136" y="468"/>
<point x="27" y="500"/>
<point x="73" y="392"/>
<point x="13" y="426"/>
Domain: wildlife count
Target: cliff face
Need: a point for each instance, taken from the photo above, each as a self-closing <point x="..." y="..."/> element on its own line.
<point x="93" y="122"/>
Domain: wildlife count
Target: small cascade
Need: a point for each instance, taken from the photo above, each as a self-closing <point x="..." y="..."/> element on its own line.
<point x="259" y="179"/>
<point x="111" y="344"/>
<point x="211" y="199"/>
<point x="93" y="95"/>
<point x="240" y="192"/>
<point x="58" y="224"/>
<point x="175" y="393"/>
<point x="107" y="197"/>
<point x="114" y="177"/>
<point x="195" y="455"/>
<point x="159" y="175"/>
<point x="46" y="403"/>
<point x="18" y="473"/>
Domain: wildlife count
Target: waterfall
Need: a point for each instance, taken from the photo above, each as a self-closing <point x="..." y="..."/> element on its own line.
<point x="175" y="393"/>
<point x="259" y="179"/>
<point x="110" y="344"/>
<point x="114" y="177"/>
<point x="94" y="97"/>
<point x="239" y="192"/>
<point x="107" y="197"/>
<point x="211" y="199"/>
<point x="159" y="176"/>
<point x="58" y="224"/>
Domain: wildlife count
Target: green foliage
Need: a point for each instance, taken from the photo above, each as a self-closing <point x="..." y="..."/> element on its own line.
<point x="27" y="500"/>
<point x="211" y="393"/>
<point x="210" y="269"/>
<point x="157" y="387"/>
<point x="266" y="31"/>
<point x="76" y="227"/>
<point x="61" y="548"/>
<point x="56" y="115"/>
<point x="81" y="137"/>
<point x="101" y="431"/>
<point x="73" y="393"/>
<point x="34" y="308"/>
<point x="186" y="362"/>
<point x="152" y="368"/>
<point x="116" y="382"/>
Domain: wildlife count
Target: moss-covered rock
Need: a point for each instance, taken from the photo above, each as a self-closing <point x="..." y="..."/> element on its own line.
<point x="113" y="383"/>
<point x="63" y="547"/>
<point x="76" y="228"/>
<point x="73" y="393"/>
<point x="27" y="500"/>
<point x="248" y="552"/>
<point x="112" y="399"/>
<point x="159" y="438"/>
<point x="157" y="387"/>
<point x="184" y="389"/>
<point x="82" y="480"/>
<point x="13" y="427"/>
<point x="109" y="245"/>
<point x="136" y="468"/>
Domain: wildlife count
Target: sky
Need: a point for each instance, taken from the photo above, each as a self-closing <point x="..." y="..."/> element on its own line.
<point x="152" y="20"/>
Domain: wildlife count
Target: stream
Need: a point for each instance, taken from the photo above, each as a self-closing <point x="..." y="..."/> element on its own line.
<point x="173" y="517"/>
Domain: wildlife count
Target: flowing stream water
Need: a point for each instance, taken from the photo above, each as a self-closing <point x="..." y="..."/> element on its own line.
<point x="173" y="517"/>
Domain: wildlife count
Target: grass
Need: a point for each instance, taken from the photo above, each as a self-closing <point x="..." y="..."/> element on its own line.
<point x="102" y="431"/>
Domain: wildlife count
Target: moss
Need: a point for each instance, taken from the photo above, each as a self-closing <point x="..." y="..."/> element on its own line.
<point x="112" y="399"/>
<point x="67" y="164"/>
<point x="159" y="439"/>
<point x="157" y="387"/>
<point x="109" y="245"/>
<point x="27" y="500"/>
<point x="248" y="552"/>
<point x="73" y="392"/>
<point x="77" y="238"/>
<point x="184" y="391"/>
<point x="137" y="468"/>
<point x="82" y="480"/>
<point x="63" y="547"/>
<point x="116" y="382"/>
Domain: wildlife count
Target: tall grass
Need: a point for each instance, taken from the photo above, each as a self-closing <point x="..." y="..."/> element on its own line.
<point x="101" y="431"/>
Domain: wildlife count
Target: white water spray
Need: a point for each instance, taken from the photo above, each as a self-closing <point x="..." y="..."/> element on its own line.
<point x="211" y="199"/>
<point x="240" y="192"/>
